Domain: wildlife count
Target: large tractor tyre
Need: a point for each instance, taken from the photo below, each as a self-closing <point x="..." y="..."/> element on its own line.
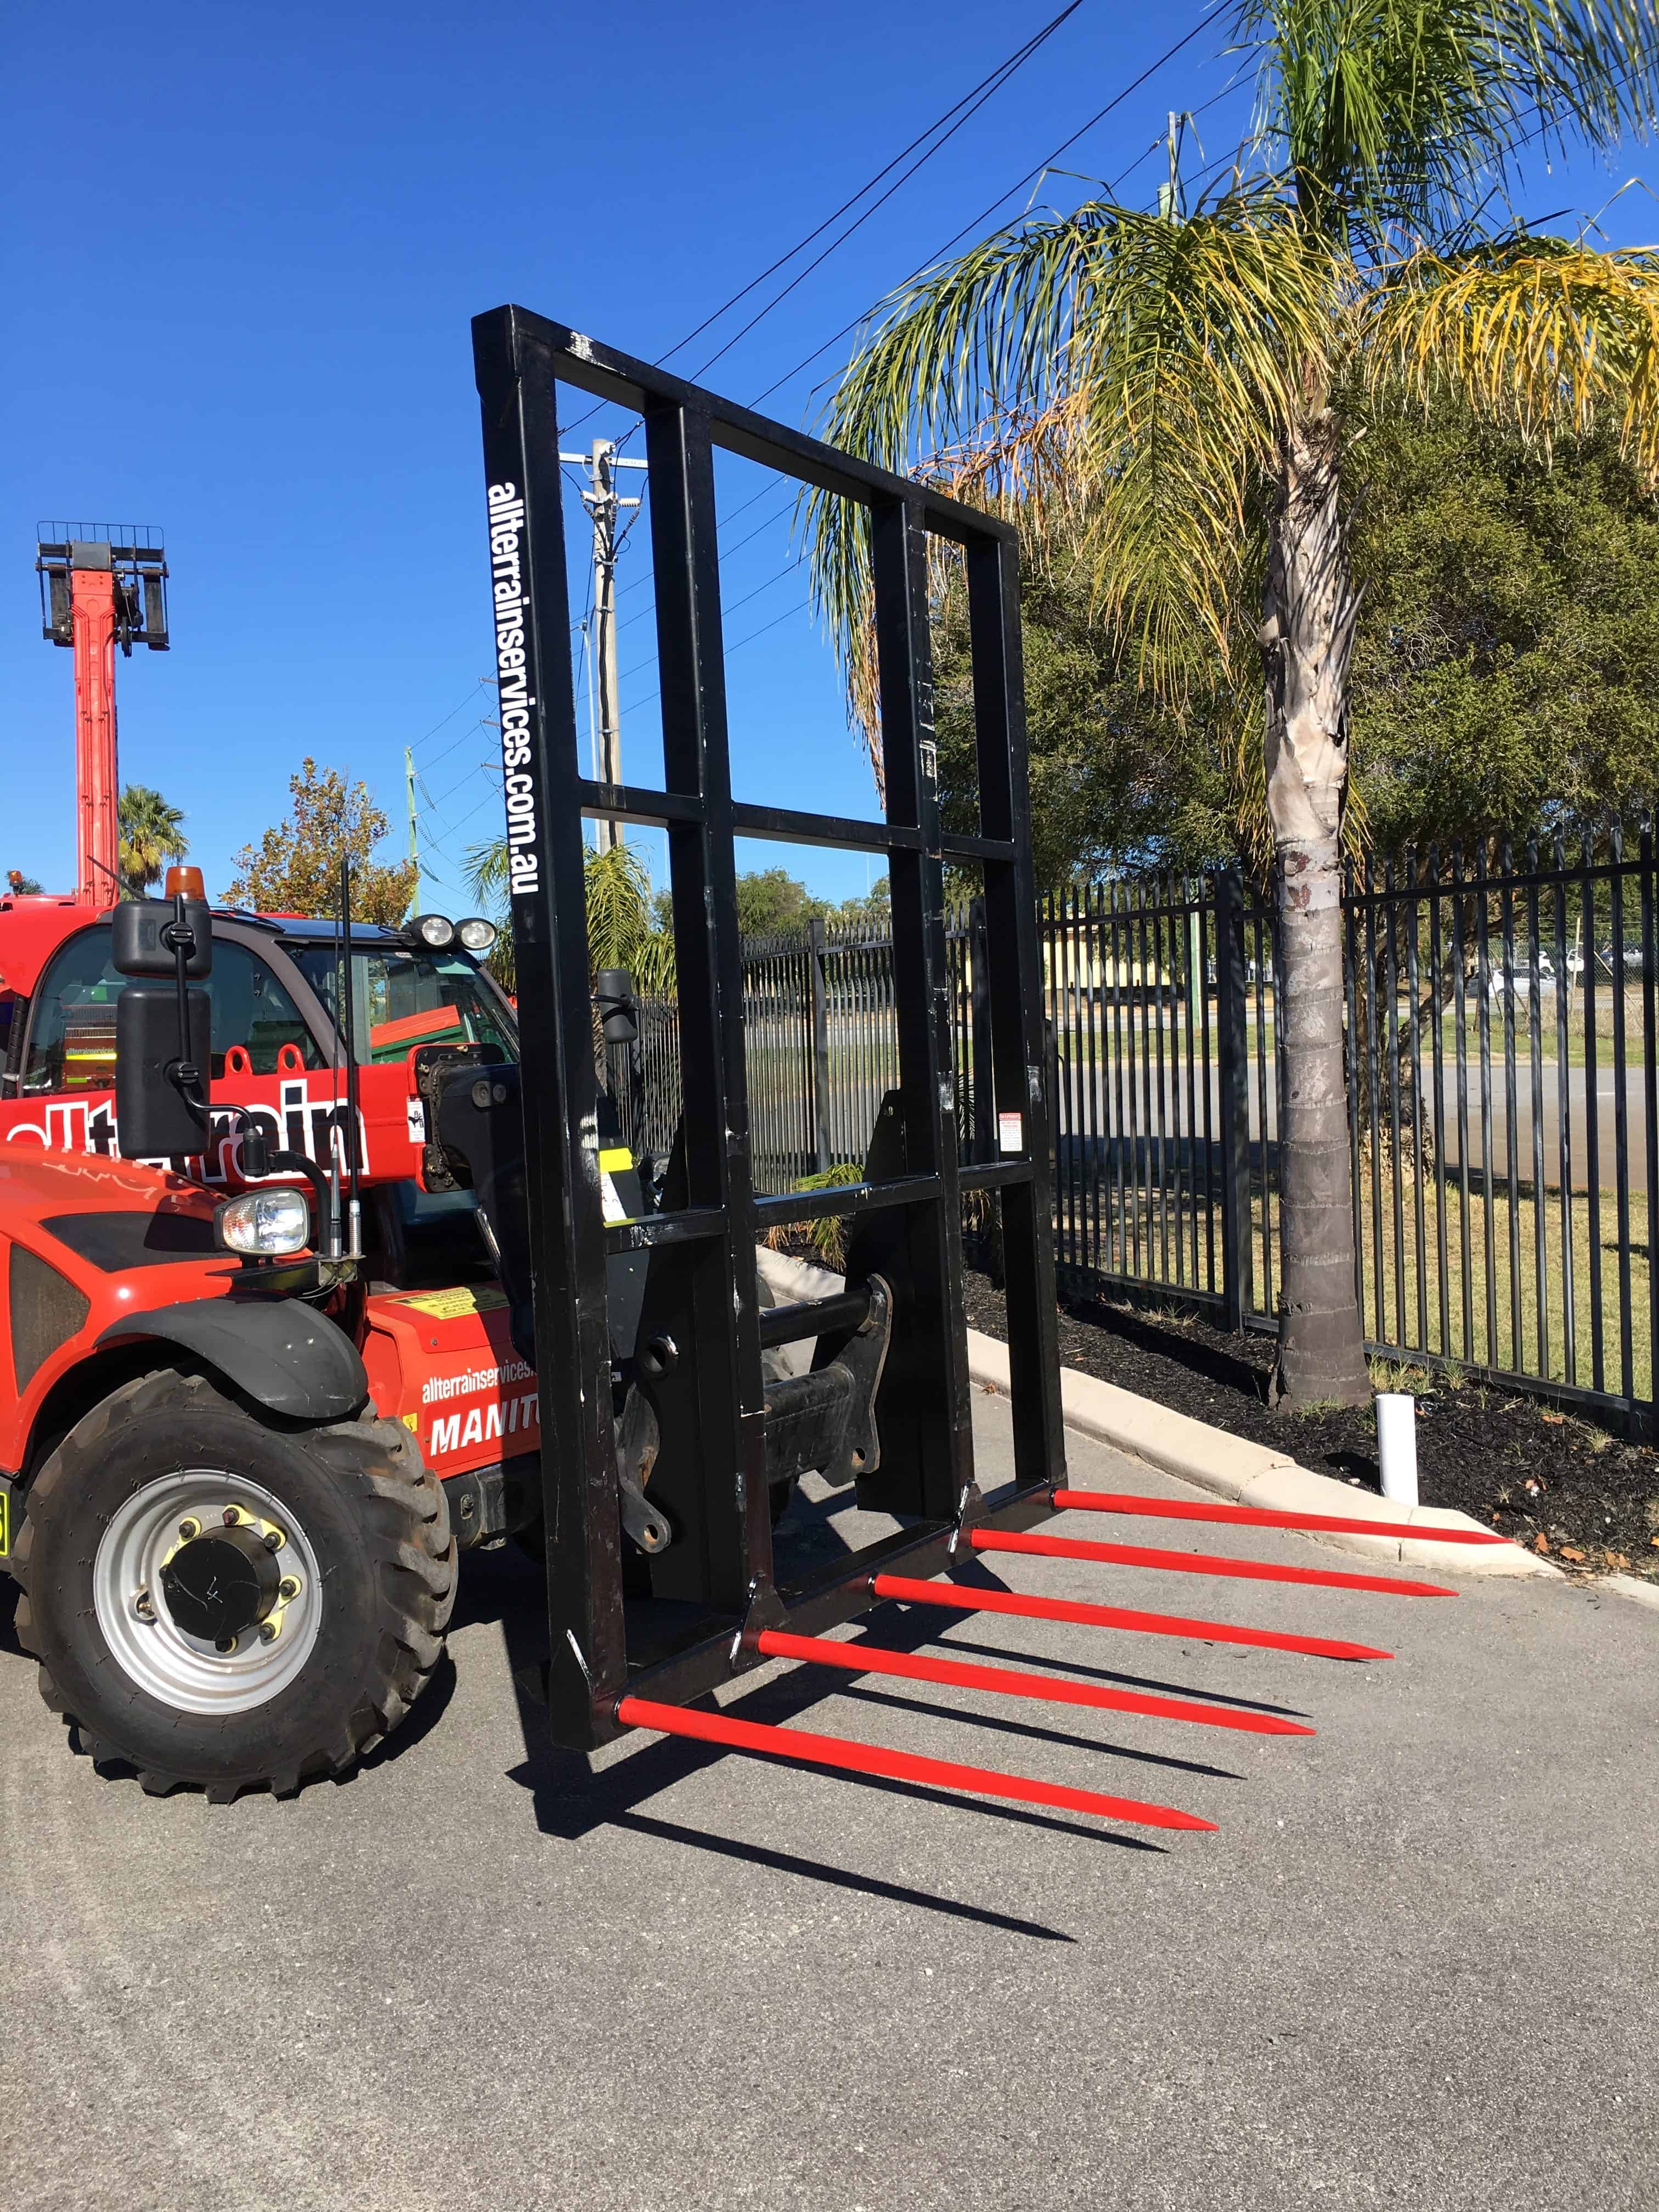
<point x="222" y="1604"/>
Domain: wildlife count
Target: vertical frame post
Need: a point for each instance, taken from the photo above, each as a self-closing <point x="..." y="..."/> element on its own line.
<point x="1233" y="1051"/>
<point x="727" y="1556"/>
<point x="587" y="1668"/>
<point x="816" y="936"/>
<point x="933" y="1367"/>
<point x="1019" y="1047"/>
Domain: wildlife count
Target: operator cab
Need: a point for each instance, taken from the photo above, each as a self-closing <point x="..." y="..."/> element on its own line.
<point x="278" y="994"/>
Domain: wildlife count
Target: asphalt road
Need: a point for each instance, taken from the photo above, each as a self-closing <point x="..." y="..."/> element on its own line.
<point x="1414" y="1968"/>
<point x="1088" y="1101"/>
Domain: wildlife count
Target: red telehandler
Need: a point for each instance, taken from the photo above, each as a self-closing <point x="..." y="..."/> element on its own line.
<point x="322" y="1266"/>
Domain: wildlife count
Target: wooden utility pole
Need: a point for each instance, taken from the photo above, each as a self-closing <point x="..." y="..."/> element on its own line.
<point x="603" y="504"/>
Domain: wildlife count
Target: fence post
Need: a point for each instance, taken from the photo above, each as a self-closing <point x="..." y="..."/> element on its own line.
<point x="984" y="1077"/>
<point x="815" y="945"/>
<point x="1233" y="1053"/>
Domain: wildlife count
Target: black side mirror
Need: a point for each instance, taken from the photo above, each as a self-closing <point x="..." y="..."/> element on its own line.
<point x="613" y="995"/>
<point x="155" y="1119"/>
<point x="141" y="931"/>
<point x="163" y="1037"/>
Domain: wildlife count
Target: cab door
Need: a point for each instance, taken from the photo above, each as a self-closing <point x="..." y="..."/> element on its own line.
<point x="267" y="1057"/>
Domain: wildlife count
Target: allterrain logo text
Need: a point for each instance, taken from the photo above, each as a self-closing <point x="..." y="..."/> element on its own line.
<point x="507" y="569"/>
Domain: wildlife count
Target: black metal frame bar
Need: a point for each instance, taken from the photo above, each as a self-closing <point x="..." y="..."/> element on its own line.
<point x="521" y="360"/>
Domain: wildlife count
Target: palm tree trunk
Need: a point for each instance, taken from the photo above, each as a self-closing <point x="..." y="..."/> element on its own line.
<point x="1307" y="637"/>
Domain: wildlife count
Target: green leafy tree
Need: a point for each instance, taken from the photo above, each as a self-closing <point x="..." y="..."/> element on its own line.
<point x="771" y="899"/>
<point x="295" y="866"/>
<point x="1505" y="672"/>
<point x="152" y="833"/>
<point x="1173" y="401"/>
<point x="1506" y="661"/>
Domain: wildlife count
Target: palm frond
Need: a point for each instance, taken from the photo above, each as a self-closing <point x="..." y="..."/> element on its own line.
<point x="1107" y="372"/>
<point x="1547" y="336"/>
<point x="1406" y="112"/>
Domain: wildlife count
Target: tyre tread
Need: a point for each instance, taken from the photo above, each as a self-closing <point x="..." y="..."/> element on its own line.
<point x="405" y="1507"/>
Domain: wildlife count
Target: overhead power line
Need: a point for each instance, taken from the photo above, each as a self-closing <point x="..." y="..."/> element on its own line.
<point x="939" y="131"/>
<point x="985" y="214"/>
<point x="979" y="93"/>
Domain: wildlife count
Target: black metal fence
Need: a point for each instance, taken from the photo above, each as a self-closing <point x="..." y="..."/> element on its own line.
<point x="1505" y="1126"/>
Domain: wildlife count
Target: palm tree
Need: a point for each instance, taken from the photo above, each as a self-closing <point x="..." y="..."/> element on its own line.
<point x="152" y="833"/>
<point x="1178" y="399"/>
<point x="621" y="931"/>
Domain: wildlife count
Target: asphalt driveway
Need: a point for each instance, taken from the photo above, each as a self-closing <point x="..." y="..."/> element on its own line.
<point x="1415" y="1968"/>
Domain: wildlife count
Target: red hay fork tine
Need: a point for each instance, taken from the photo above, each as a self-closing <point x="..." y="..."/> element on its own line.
<point x="1195" y="1562"/>
<point x="1257" y="1517"/>
<point x="960" y="1598"/>
<point x="1012" y="1682"/>
<point x="772" y="1743"/>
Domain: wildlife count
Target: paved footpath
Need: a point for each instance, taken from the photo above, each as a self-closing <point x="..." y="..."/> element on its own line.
<point x="1415" y="1968"/>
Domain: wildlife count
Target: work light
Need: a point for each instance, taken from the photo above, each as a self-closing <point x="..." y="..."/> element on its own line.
<point x="476" y="934"/>
<point x="434" y="929"/>
<point x="262" y="1223"/>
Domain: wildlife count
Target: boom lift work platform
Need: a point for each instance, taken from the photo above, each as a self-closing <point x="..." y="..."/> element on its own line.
<point x="243" y="1447"/>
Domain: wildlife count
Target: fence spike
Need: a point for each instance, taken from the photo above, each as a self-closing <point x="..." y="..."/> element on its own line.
<point x="1196" y="1563"/>
<point x="1258" y="1516"/>
<point x="860" y="1658"/>
<point x="960" y="1597"/>
<point x="772" y="1743"/>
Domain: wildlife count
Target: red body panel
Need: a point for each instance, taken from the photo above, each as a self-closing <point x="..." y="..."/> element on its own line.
<point x="442" y="1363"/>
<point x="300" y="1103"/>
<point x="36" y="1187"/>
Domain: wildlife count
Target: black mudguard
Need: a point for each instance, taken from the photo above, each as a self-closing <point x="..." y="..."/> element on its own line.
<point x="283" y="1355"/>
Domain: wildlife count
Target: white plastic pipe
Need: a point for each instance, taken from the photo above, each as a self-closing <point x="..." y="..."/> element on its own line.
<point x="1396" y="1444"/>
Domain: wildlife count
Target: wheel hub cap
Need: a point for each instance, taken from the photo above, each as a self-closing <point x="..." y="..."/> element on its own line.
<point x="220" y="1583"/>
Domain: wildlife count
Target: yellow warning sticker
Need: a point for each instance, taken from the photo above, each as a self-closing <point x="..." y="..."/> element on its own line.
<point x="616" y="1159"/>
<point x="5" y="1525"/>
<point x="453" y="1305"/>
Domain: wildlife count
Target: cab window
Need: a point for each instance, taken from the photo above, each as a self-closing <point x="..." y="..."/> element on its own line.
<point x="71" y="1044"/>
<point x="403" y="998"/>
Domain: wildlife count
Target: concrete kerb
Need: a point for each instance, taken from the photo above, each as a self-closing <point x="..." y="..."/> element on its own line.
<point x="1255" y="1474"/>
<point x="1229" y="1466"/>
<point x="1633" y="1586"/>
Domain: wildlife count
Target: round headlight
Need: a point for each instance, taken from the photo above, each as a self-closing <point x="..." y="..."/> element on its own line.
<point x="436" y="930"/>
<point x="476" y="933"/>
<point x="263" y="1222"/>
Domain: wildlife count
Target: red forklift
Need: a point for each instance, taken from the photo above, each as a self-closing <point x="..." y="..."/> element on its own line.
<point x="323" y="1268"/>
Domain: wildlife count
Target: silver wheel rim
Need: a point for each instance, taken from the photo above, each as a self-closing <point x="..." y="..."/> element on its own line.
<point x="145" y="1641"/>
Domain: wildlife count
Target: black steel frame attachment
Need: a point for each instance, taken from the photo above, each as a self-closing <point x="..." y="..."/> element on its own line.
<point x="719" y="1580"/>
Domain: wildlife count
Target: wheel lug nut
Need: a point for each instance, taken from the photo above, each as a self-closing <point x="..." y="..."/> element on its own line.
<point x="267" y="1631"/>
<point x="189" y="1528"/>
<point x="288" y="1587"/>
<point x="226" y="1644"/>
<point x="230" y="1516"/>
<point x="143" y="1606"/>
<point x="273" y="1539"/>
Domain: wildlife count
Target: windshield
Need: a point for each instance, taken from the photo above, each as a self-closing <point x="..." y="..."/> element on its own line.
<point x="402" y="998"/>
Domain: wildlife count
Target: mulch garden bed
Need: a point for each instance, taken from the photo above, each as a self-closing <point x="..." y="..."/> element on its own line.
<point x="1561" y="1486"/>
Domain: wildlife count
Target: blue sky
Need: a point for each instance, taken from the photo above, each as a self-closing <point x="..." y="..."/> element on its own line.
<point x="244" y="248"/>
